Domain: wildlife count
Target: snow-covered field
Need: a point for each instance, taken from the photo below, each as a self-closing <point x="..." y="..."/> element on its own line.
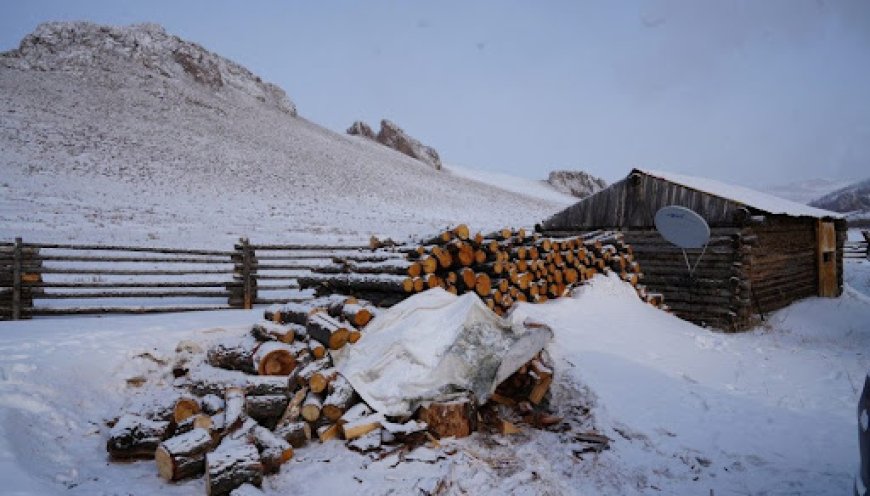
<point x="689" y="410"/>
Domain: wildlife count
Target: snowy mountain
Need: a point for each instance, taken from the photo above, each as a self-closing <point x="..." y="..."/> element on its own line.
<point x="807" y="190"/>
<point x="140" y="136"/>
<point x="853" y="200"/>
<point x="576" y="183"/>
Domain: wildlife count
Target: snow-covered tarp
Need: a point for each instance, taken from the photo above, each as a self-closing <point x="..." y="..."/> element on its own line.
<point x="433" y="344"/>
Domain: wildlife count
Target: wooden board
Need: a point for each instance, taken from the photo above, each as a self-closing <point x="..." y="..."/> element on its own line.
<point x="826" y="238"/>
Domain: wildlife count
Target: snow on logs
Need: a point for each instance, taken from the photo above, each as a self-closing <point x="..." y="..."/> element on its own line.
<point x="502" y="267"/>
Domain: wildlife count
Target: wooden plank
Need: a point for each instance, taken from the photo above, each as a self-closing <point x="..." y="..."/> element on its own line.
<point x="133" y="294"/>
<point x="62" y="246"/>
<point x="104" y="285"/>
<point x="827" y="258"/>
<point x="297" y="247"/>
<point x="97" y="258"/>
<point x="119" y="310"/>
<point x="131" y="272"/>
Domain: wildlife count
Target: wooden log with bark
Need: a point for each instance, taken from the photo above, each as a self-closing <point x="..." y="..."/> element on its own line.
<point x="328" y="331"/>
<point x="183" y="456"/>
<point x="234" y="354"/>
<point x="274" y="358"/>
<point x="341" y="397"/>
<point x="296" y="433"/>
<point x="455" y="417"/>
<point x="231" y="465"/>
<point x="274" y="450"/>
<point x="136" y="437"/>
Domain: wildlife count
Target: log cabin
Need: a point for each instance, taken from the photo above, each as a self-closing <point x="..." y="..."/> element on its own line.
<point x="763" y="254"/>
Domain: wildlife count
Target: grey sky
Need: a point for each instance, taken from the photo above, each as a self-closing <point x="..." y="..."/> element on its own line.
<point x="752" y="92"/>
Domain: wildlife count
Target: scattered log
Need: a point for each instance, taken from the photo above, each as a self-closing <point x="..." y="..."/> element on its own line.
<point x="211" y="404"/>
<point x="317" y="350"/>
<point x="320" y="379"/>
<point x="198" y="421"/>
<point x="296" y="433"/>
<point x="185" y="407"/>
<point x="234" y="354"/>
<point x="294" y="408"/>
<point x="230" y="466"/>
<point x="136" y="437"/>
<point x="362" y="426"/>
<point x="328" y="432"/>
<point x="183" y="456"/>
<point x="366" y="442"/>
<point x="358" y="315"/>
<point x="455" y="417"/>
<point x="234" y="414"/>
<point x="274" y="451"/>
<point x="266" y="410"/>
<point x="328" y="331"/>
<point x="312" y="406"/>
<point x="341" y="397"/>
<point x="206" y="379"/>
<point x="269" y="331"/>
<point x="274" y="358"/>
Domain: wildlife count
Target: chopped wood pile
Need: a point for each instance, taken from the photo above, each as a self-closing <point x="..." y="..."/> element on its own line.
<point x="242" y="406"/>
<point x="503" y="267"/>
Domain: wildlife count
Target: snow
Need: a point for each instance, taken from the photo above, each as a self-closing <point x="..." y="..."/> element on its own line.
<point x="535" y="188"/>
<point x="749" y="197"/>
<point x="688" y="409"/>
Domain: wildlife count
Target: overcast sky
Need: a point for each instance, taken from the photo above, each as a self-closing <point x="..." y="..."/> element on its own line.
<point x="752" y="92"/>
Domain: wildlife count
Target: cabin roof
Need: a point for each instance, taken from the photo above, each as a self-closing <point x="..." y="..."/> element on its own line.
<point x="739" y="194"/>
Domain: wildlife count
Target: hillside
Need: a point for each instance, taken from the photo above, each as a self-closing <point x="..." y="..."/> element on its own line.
<point x="853" y="200"/>
<point x="134" y="135"/>
<point x="807" y="190"/>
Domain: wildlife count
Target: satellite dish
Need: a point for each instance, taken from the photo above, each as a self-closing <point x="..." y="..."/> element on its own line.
<point x="682" y="226"/>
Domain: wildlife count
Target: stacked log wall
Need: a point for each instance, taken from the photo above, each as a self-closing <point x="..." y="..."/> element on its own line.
<point x="718" y="293"/>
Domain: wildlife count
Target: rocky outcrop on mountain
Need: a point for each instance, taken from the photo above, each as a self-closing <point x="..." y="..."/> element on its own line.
<point x="81" y="46"/>
<point x="853" y="199"/>
<point x="360" y="128"/>
<point x="576" y="183"/>
<point x="396" y="138"/>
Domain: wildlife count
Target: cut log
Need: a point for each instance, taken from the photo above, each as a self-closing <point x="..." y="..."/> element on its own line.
<point x="230" y="466"/>
<point x="317" y="350"/>
<point x="328" y="331"/>
<point x="312" y="406"/>
<point x="274" y="451"/>
<point x="304" y="376"/>
<point x="457" y="417"/>
<point x="266" y="410"/>
<point x="362" y="426"/>
<point x="358" y="315"/>
<point x="341" y="397"/>
<point x="328" y="432"/>
<point x="183" y="456"/>
<point x="320" y="379"/>
<point x="234" y="354"/>
<point x="367" y="442"/>
<point x="294" y="408"/>
<point x="185" y="407"/>
<point x="135" y="437"/>
<point x="274" y="358"/>
<point x="296" y="433"/>
<point x="206" y="379"/>
<point x="295" y="313"/>
<point x="198" y="421"/>
<point x="269" y="331"/>
<point x="235" y="408"/>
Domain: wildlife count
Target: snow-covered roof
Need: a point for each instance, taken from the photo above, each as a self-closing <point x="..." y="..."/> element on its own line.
<point x="749" y="197"/>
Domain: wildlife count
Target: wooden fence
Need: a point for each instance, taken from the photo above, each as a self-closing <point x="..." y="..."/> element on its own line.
<point x="855" y="249"/>
<point x="38" y="279"/>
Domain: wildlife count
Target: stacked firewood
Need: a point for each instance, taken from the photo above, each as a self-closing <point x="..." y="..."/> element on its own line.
<point x="239" y="409"/>
<point x="239" y="412"/>
<point x="503" y="267"/>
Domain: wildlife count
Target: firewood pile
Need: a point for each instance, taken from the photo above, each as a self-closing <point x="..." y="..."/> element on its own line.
<point x="241" y="406"/>
<point x="503" y="267"/>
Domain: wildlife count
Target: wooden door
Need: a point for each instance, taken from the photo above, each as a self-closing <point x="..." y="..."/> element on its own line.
<point x="826" y="252"/>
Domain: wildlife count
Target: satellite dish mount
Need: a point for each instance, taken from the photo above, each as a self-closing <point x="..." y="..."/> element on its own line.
<point x="684" y="228"/>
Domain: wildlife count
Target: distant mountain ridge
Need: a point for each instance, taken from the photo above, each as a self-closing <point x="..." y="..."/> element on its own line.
<point x="853" y="200"/>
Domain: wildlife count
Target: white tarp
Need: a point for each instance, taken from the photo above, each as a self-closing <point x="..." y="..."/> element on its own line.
<point x="433" y="344"/>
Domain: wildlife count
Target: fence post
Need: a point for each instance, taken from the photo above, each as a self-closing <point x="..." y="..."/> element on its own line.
<point x="16" y="280"/>
<point x="246" y="274"/>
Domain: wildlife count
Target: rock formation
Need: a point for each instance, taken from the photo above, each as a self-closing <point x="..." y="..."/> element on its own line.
<point x="396" y="138"/>
<point x="576" y="183"/>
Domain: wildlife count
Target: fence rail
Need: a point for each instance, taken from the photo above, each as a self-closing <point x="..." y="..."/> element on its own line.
<point x="38" y="279"/>
<point x="855" y="249"/>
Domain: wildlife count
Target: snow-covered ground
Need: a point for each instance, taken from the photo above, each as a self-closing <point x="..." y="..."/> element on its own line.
<point x="690" y="410"/>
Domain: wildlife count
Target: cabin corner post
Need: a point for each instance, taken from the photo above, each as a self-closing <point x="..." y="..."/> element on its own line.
<point x="243" y="293"/>
<point x="16" y="279"/>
